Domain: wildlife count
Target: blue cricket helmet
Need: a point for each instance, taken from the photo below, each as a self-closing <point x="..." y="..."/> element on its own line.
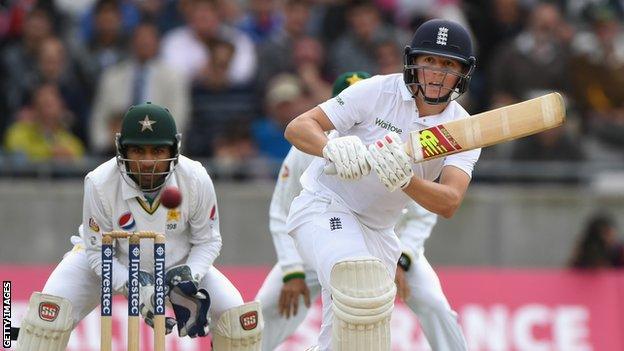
<point x="443" y="38"/>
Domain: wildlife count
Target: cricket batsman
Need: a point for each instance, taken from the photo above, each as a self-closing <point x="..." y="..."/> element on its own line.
<point x="123" y="194"/>
<point x="291" y="285"/>
<point x="343" y="225"/>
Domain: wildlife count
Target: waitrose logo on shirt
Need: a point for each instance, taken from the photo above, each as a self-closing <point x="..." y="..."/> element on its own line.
<point x="387" y="125"/>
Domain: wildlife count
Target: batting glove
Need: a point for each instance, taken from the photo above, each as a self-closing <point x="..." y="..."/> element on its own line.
<point x="348" y="154"/>
<point x="391" y="163"/>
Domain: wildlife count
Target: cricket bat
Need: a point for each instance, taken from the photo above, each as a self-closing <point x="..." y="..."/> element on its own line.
<point x="487" y="128"/>
<point x="484" y="129"/>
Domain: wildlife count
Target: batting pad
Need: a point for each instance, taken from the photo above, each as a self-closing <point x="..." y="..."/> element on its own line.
<point x="47" y="325"/>
<point x="239" y="329"/>
<point x="362" y="301"/>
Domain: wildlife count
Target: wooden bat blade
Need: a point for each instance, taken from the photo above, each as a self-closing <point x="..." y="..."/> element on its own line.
<point x="487" y="128"/>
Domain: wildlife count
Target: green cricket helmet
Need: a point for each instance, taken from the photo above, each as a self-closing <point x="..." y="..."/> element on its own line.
<point x="347" y="79"/>
<point x="147" y="124"/>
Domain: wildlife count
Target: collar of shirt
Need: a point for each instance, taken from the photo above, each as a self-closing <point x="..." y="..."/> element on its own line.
<point x="405" y="93"/>
<point x="433" y="120"/>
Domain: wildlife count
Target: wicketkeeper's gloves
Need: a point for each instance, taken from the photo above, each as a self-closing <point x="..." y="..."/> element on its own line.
<point x="146" y="301"/>
<point x="190" y="303"/>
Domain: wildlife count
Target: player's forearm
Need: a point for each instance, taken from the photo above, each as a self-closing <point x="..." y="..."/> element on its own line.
<point x="438" y="198"/>
<point x="307" y="134"/>
<point x="202" y="256"/>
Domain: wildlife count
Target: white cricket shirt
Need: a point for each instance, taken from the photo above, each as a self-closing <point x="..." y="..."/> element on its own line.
<point x="370" y="110"/>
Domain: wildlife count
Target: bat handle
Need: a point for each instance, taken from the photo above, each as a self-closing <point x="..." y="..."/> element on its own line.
<point x="330" y="169"/>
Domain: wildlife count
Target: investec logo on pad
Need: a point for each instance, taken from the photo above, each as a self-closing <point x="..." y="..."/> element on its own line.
<point x="387" y="125"/>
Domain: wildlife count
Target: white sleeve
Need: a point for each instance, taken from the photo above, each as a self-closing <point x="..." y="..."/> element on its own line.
<point x="414" y="227"/>
<point x="96" y="219"/>
<point x="204" y="223"/>
<point x="287" y="188"/>
<point x="352" y="105"/>
<point x="463" y="160"/>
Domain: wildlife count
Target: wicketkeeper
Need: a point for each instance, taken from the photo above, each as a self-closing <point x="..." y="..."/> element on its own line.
<point x="123" y="195"/>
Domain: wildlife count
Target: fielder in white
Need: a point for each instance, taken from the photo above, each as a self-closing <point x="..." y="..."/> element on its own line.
<point x="343" y="225"/>
<point x="289" y="288"/>
<point x="123" y="195"/>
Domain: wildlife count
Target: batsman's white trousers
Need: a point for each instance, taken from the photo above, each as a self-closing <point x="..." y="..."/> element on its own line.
<point x="74" y="280"/>
<point x="328" y="232"/>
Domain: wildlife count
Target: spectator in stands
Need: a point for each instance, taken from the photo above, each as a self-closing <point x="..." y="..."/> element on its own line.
<point x="217" y="102"/>
<point x="330" y="20"/>
<point x="598" y="246"/>
<point x="598" y="80"/>
<point x="165" y="14"/>
<point x="19" y="60"/>
<point x="261" y="20"/>
<point x="56" y="67"/>
<point x="389" y="57"/>
<point x="285" y="100"/>
<point x="494" y="23"/>
<point x="535" y="61"/>
<point x="556" y="144"/>
<point x="114" y="127"/>
<point x="129" y="16"/>
<point x="235" y="154"/>
<point x="43" y="135"/>
<point x="106" y="46"/>
<point x="355" y="49"/>
<point x="309" y="59"/>
<point x="142" y="77"/>
<point x="187" y="49"/>
<point x="230" y="12"/>
<point x="276" y="53"/>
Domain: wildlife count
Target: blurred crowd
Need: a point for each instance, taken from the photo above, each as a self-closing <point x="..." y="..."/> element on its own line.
<point x="599" y="245"/>
<point x="235" y="72"/>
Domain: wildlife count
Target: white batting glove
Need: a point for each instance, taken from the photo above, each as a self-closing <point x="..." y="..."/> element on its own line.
<point x="349" y="155"/>
<point x="391" y="163"/>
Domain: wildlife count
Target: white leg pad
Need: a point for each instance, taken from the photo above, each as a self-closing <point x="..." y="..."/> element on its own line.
<point x="239" y="329"/>
<point x="362" y="301"/>
<point x="47" y="325"/>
